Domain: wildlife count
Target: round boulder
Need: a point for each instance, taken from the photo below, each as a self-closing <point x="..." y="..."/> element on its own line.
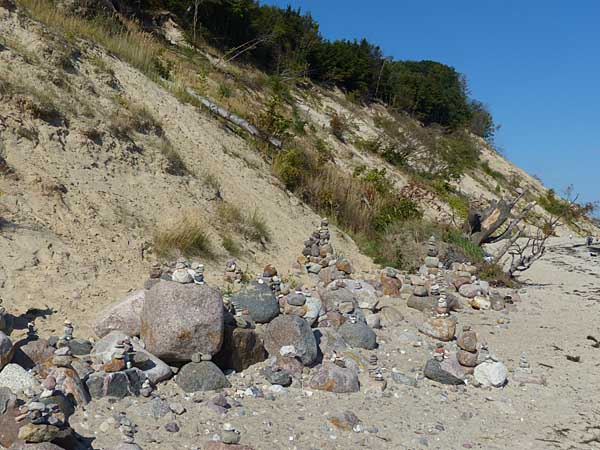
<point x="295" y="334"/>
<point x="202" y="376"/>
<point x="358" y="335"/>
<point x="259" y="300"/>
<point x="179" y="320"/>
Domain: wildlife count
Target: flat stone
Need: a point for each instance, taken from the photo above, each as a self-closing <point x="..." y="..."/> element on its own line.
<point x="291" y="331"/>
<point x="434" y="372"/>
<point x="124" y="315"/>
<point x="179" y="320"/>
<point x="202" y="376"/>
<point x="332" y="378"/>
<point x="259" y="300"/>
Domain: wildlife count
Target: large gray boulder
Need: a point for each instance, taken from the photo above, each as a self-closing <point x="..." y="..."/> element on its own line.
<point x="295" y="334"/>
<point x="124" y="315"/>
<point x="259" y="300"/>
<point x="179" y="320"/>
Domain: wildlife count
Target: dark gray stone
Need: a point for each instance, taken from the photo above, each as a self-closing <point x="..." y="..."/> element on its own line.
<point x="278" y="377"/>
<point x="260" y="302"/>
<point x="434" y="372"/>
<point x="202" y="376"/>
<point x="296" y="299"/>
<point x="358" y="335"/>
<point x="117" y="384"/>
<point x="80" y="347"/>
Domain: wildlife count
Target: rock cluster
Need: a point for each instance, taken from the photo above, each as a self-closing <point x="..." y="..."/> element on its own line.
<point x="233" y="272"/>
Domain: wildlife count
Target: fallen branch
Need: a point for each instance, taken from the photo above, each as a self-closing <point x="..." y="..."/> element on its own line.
<point x="236" y="120"/>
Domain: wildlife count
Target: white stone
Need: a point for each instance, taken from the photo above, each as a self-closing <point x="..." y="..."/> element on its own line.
<point x="288" y="351"/>
<point x="17" y="379"/>
<point x="491" y="373"/>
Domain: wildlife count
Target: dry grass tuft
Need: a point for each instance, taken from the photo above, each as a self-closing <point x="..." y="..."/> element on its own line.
<point x="252" y="226"/>
<point x="183" y="237"/>
<point x="125" y="40"/>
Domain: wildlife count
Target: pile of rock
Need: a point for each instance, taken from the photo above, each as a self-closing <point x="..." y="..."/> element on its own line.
<point x="432" y="264"/>
<point x="233" y="272"/>
<point x="467" y="354"/>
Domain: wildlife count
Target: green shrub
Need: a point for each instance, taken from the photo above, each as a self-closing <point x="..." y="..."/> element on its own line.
<point x="290" y="167"/>
<point x="400" y="210"/>
<point x="464" y="245"/>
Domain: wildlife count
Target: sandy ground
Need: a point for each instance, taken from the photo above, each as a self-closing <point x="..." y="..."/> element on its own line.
<point x="558" y="310"/>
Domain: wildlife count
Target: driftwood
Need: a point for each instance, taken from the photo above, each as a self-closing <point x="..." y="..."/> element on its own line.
<point x="481" y="225"/>
<point x="236" y="120"/>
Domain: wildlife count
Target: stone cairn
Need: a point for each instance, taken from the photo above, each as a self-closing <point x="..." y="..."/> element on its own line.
<point x="127" y="429"/>
<point x="233" y="272"/>
<point x="318" y="251"/>
<point x="180" y="271"/>
<point x="432" y="263"/>
<point x="270" y="278"/>
<point x="467" y="354"/>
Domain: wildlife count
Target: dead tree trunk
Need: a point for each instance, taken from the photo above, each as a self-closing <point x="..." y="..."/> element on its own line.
<point x="236" y="120"/>
<point x="482" y="225"/>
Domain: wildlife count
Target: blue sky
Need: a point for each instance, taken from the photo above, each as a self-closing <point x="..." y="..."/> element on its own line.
<point x="535" y="63"/>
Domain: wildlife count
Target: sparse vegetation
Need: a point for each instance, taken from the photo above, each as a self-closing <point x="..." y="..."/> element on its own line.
<point x="185" y="236"/>
<point x="174" y="164"/>
<point x="250" y="225"/>
<point x="125" y="40"/>
<point x="338" y="125"/>
<point x="231" y="246"/>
